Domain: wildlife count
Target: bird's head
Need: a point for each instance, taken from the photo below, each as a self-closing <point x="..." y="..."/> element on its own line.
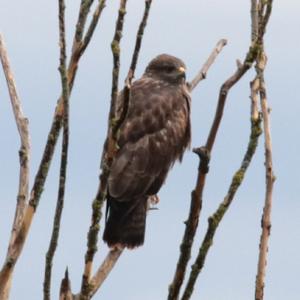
<point x="167" y="68"/>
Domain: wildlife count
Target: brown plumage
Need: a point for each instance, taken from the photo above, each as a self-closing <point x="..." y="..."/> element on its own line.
<point x="153" y="136"/>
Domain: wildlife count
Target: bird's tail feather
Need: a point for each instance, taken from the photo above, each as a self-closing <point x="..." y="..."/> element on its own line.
<point x="126" y="222"/>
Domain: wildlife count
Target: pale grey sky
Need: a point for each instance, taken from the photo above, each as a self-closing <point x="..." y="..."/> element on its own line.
<point x="188" y="30"/>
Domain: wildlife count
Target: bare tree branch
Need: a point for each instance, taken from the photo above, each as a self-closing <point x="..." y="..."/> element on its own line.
<point x="130" y="75"/>
<point x="84" y="9"/>
<point x="254" y="20"/>
<point x="64" y="154"/>
<point x="103" y="271"/>
<point x="216" y="218"/>
<point x="97" y="13"/>
<point x="101" y="193"/>
<point x="24" y="155"/>
<point x="105" y="268"/>
<point x="270" y="178"/>
<point x="264" y="9"/>
<point x="45" y="163"/>
<point x="202" y="73"/>
<point x="139" y="38"/>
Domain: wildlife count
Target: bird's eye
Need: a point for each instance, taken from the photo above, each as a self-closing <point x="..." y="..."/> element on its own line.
<point x="169" y="69"/>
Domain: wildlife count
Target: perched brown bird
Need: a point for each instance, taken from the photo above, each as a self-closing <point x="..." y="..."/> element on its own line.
<point x="153" y="136"/>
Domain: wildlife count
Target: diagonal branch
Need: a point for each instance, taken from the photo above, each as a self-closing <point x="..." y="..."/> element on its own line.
<point x="24" y="154"/>
<point x="216" y="218"/>
<point x="211" y="59"/>
<point x="103" y="271"/>
<point x="139" y="38"/>
<point x="64" y="153"/>
<point x="84" y="9"/>
<point x="90" y="31"/>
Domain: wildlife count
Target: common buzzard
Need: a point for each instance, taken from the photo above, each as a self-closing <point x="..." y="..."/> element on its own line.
<point x="153" y="136"/>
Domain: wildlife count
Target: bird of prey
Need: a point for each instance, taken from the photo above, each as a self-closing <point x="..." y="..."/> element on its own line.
<point x="154" y="134"/>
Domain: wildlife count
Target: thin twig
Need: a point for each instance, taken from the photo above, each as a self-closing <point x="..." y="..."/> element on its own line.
<point x="254" y="20"/>
<point x="130" y="75"/>
<point x="84" y="9"/>
<point x="24" y="155"/>
<point x="203" y="72"/>
<point x="216" y="218"/>
<point x="139" y="38"/>
<point x="40" y="178"/>
<point x="64" y="154"/>
<point x="101" y="193"/>
<point x="81" y="41"/>
<point x="115" y="47"/>
<point x="90" y="31"/>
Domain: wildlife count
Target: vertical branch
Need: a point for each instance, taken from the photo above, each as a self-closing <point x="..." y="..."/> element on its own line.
<point x="254" y="20"/>
<point x="264" y="12"/>
<point x="64" y="153"/>
<point x="101" y="193"/>
<point x="24" y="152"/>
<point x="24" y="155"/>
<point x="115" y="47"/>
<point x="270" y="178"/>
<point x="20" y="236"/>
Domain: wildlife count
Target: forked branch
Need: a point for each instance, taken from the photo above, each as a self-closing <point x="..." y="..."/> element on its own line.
<point x="24" y="155"/>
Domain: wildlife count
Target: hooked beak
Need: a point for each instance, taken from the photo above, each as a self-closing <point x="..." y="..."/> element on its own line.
<point x="182" y="71"/>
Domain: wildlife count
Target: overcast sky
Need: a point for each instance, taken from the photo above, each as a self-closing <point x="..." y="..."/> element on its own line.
<point x="188" y="29"/>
